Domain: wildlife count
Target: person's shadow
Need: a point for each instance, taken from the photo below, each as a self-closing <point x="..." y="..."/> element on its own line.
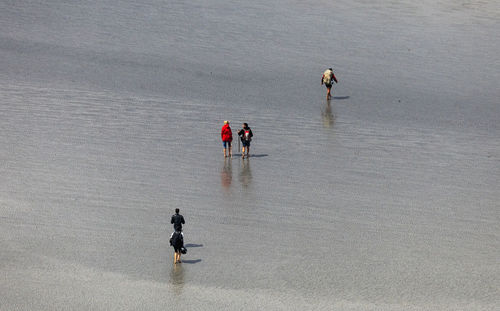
<point x="341" y="97"/>
<point x="191" y="261"/>
<point x="258" y="155"/>
<point x="193" y="245"/>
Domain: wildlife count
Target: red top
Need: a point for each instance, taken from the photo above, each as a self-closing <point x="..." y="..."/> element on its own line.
<point x="334" y="78"/>
<point x="226" y="134"/>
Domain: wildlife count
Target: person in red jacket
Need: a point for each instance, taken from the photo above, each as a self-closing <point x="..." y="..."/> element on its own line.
<point x="227" y="137"/>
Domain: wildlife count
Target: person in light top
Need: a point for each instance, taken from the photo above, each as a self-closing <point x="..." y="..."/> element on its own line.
<point x="327" y="79"/>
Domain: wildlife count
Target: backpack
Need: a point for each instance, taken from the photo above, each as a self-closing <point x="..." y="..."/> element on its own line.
<point x="246" y="135"/>
<point x="327" y="77"/>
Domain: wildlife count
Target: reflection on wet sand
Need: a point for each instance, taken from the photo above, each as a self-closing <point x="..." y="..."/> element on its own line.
<point x="177" y="278"/>
<point x="226" y="174"/>
<point x="245" y="172"/>
<point x="327" y="115"/>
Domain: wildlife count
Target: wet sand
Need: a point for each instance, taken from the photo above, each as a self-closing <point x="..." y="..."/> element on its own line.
<point x="384" y="198"/>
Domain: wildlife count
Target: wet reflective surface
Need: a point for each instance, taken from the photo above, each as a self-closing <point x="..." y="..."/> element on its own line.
<point x="383" y="198"/>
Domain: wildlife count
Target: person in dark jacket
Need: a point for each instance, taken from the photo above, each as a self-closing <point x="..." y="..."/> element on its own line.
<point x="177" y="242"/>
<point x="246" y="137"/>
<point x="178" y="220"/>
<point x="227" y="137"/>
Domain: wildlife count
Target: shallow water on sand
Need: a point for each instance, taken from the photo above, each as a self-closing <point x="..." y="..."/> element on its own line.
<point x="384" y="198"/>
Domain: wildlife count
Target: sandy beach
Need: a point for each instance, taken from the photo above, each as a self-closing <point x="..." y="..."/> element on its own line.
<point x="384" y="198"/>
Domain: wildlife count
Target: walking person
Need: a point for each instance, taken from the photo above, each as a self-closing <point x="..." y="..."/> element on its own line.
<point x="246" y="137"/>
<point x="177" y="242"/>
<point x="177" y="220"/>
<point x="326" y="79"/>
<point x="227" y="137"/>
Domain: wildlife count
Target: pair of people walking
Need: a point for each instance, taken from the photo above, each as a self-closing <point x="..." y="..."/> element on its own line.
<point x="177" y="237"/>
<point x="245" y="134"/>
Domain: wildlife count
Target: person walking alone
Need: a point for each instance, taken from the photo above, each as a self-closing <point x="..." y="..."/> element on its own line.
<point x="227" y="137"/>
<point x="326" y="79"/>
<point x="246" y="137"/>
